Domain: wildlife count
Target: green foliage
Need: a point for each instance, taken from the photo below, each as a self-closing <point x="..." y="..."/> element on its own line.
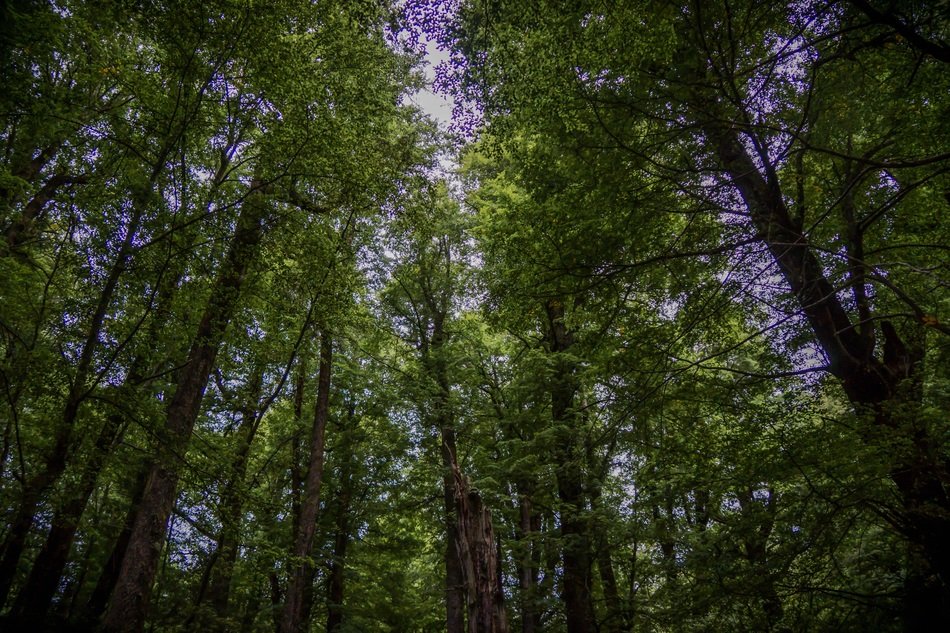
<point x="684" y="432"/>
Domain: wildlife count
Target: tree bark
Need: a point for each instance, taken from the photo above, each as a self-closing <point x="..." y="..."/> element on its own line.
<point x="105" y="585"/>
<point x="529" y="563"/>
<point x="337" y="581"/>
<point x="616" y="613"/>
<point x="479" y="560"/>
<point x="432" y="347"/>
<point x="129" y="603"/>
<point x="575" y="552"/>
<point x="232" y="502"/>
<point x="301" y="569"/>
<point x="454" y="580"/>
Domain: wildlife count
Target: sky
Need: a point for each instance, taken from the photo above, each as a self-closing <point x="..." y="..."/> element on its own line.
<point x="436" y="106"/>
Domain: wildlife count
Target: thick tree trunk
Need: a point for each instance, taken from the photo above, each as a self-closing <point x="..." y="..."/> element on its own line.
<point x="129" y="603"/>
<point x="575" y="554"/>
<point x="301" y="570"/>
<point x="881" y="388"/>
<point x="479" y="560"/>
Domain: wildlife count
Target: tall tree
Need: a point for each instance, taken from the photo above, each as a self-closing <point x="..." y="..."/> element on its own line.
<point x="738" y="105"/>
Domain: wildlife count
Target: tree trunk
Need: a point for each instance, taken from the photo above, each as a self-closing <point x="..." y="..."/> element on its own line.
<point x="37" y="593"/>
<point x="883" y="389"/>
<point x="528" y="564"/>
<point x="575" y="553"/>
<point x="47" y="571"/>
<point x="454" y="581"/>
<point x="616" y="613"/>
<point x="55" y="463"/>
<point x="301" y="569"/>
<point x="128" y="606"/>
<point x="336" y="583"/>
<point x="232" y="504"/>
<point x="105" y="585"/>
<point x="755" y="540"/>
<point x="434" y="362"/>
<point x="479" y="560"/>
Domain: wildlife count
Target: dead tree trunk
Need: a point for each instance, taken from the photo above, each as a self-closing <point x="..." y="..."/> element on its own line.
<point x="479" y="560"/>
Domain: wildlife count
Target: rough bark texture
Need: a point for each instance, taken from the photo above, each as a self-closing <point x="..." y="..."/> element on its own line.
<point x="129" y="603"/>
<point x="479" y="560"/>
<point x="301" y="571"/>
<point x="575" y="554"/>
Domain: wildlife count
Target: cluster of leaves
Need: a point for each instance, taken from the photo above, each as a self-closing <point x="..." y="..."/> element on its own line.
<point x="603" y="322"/>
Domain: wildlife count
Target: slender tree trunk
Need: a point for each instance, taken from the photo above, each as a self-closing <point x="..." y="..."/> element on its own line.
<point x="129" y="604"/>
<point x="37" y="593"/>
<point x="454" y="581"/>
<point x="57" y="460"/>
<point x="296" y="470"/>
<point x="47" y="571"/>
<point x="105" y="585"/>
<point x="336" y="583"/>
<point x="756" y="552"/>
<point x="232" y="504"/>
<point x="276" y="599"/>
<point x="528" y="564"/>
<point x="436" y="370"/>
<point x="616" y="613"/>
<point x="301" y="570"/>
<point x="570" y="478"/>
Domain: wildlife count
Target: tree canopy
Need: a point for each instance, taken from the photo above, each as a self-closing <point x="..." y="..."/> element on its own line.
<point x="653" y="337"/>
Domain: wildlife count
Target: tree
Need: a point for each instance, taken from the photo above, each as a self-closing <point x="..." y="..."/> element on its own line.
<point x="737" y="106"/>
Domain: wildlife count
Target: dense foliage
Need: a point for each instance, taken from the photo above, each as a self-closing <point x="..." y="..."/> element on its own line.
<point x="666" y="351"/>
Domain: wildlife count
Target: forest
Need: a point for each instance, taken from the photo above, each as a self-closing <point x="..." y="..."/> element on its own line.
<point x="653" y="336"/>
